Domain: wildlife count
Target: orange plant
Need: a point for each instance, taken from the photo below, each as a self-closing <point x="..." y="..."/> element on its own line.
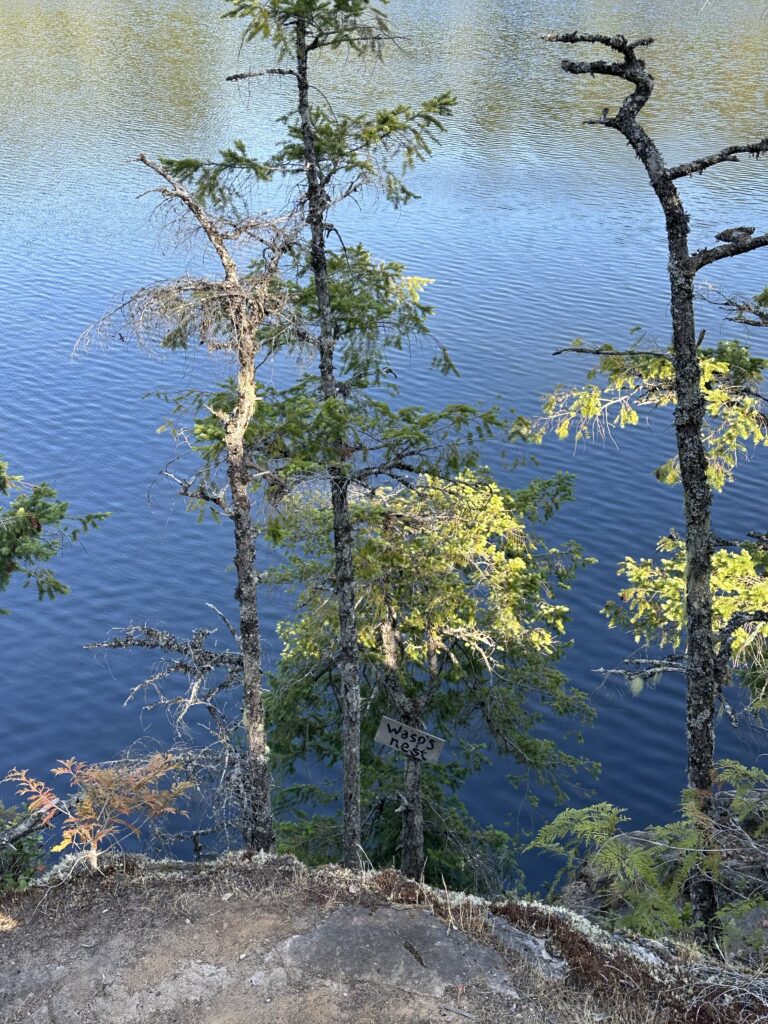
<point x="40" y="798"/>
<point x="108" y="802"/>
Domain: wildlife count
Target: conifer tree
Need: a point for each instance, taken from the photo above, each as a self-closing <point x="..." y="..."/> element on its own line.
<point x="34" y="526"/>
<point x="334" y="157"/>
<point x="460" y="630"/>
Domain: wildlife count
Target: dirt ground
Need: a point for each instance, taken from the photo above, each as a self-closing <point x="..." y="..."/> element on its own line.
<point x="269" y="942"/>
<point x="236" y="944"/>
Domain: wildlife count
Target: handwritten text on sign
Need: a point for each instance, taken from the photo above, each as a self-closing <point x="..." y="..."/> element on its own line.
<point x="407" y="740"/>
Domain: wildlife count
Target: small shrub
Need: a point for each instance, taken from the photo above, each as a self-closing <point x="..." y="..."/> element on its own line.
<point x="107" y="803"/>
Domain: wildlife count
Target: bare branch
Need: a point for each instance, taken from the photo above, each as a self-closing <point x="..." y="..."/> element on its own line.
<point x="738" y="620"/>
<point x="606" y="350"/>
<point x="209" y="671"/>
<point x="225" y="620"/>
<point x="728" y="155"/>
<point x="618" y="42"/>
<point x="33" y="823"/>
<point x="197" y="490"/>
<point x="704" y="257"/>
<point x="177" y="191"/>
<point x="647" y="668"/>
<point x="242" y="75"/>
<point x="632" y="70"/>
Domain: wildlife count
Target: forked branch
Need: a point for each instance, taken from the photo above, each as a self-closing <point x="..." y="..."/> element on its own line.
<point x="633" y="70"/>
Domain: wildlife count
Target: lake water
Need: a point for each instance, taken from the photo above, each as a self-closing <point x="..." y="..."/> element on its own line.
<point x="535" y="228"/>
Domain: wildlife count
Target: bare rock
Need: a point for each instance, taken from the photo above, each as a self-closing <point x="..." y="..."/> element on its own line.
<point x="528" y="947"/>
<point x="414" y="950"/>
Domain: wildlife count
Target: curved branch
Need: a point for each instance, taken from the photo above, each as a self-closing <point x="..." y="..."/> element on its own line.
<point x="634" y="71"/>
<point x="177" y="191"/>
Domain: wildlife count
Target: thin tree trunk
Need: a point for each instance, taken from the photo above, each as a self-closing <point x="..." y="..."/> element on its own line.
<point x="344" y="580"/>
<point x="260" y="832"/>
<point x="412" y="859"/>
<point x="701" y="675"/>
<point x="348" y="667"/>
<point x="259" y="825"/>
<point x="690" y="411"/>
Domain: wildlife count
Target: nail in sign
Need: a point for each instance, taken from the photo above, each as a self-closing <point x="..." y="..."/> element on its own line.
<point x="410" y="741"/>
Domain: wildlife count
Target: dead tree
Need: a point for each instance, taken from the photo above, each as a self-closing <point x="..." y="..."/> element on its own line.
<point x="226" y="314"/>
<point x="219" y="767"/>
<point x="701" y="660"/>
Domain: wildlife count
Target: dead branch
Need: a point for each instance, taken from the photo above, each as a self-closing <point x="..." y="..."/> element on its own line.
<point x="243" y="75"/>
<point x="728" y="155"/>
<point x="220" y="769"/>
<point x="633" y="70"/>
<point x="209" y="671"/>
<point x="647" y="668"/>
<point x="740" y="310"/>
<point x="703" y="257"/>
<point x="198" y="490"/>
<point x="28" y="826"/>
<point x="177" y="191"/>
<point x="607" y="350"/>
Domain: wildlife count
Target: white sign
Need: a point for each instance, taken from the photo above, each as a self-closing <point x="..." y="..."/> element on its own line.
<point x="409" y="741"/>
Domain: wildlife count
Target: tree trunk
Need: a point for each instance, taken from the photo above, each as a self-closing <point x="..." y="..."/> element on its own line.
<point x="690" y="412"/>
<point x="344" y="581"/>
<point x="412" y="858"/>
<point x="701" y="662"/>
<point x="246" y="309"/>
<point x="701" y="674"/>
<point x="348" y="667"/>
<point x="257" y="789"/>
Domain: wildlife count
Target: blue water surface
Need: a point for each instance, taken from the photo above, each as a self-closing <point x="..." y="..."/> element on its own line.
<point x="534" y="227"/>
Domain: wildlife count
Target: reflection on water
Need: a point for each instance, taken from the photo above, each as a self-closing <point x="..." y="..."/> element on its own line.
<point x="535" y="227"/>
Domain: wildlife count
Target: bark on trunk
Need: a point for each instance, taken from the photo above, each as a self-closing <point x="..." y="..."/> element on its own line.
<point x="257" y="789"/>
<point x="701" y="676"/>
<point x="348" y="667"/>
<point x="690" y="412"/>
<point x="412" y="859"/>
<point x="259" y="822"/>
<point x="344" y="581"/>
